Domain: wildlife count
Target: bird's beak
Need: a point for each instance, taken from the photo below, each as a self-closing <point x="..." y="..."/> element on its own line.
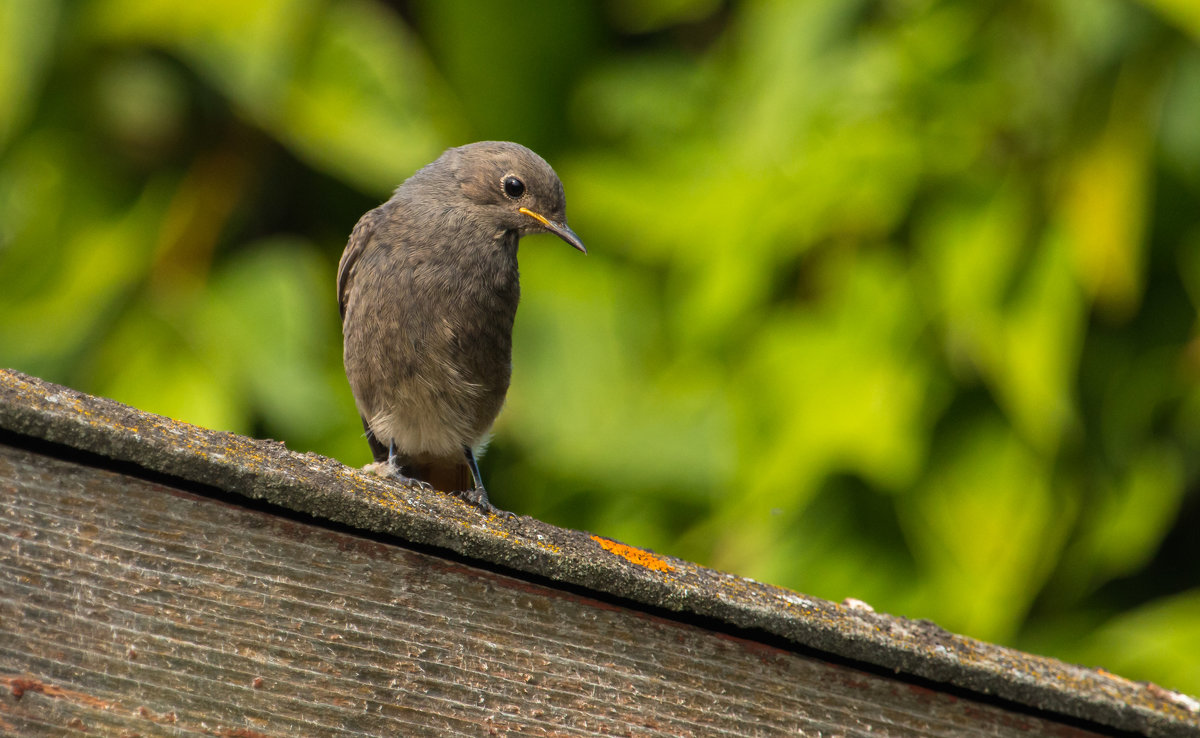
<point x="562" y="230"/>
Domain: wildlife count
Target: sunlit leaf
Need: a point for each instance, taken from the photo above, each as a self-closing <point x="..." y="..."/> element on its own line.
<point x="986" y="527"/>
<point x="1185" y="13"/>
<point x="1146" y="643"/>
<point x="27" y="29"/>
<point x="343" y="83"/>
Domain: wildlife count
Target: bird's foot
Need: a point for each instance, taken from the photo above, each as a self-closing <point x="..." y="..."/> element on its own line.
<point x="408" y="481"/>
<point x="479" y="498"/>
<point x="388" y="470"/>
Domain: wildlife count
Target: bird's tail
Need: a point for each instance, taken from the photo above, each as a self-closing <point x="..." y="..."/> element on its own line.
<point x="448" y="476"/>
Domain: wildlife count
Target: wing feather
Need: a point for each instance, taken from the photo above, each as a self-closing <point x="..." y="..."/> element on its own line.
<point x="359" y="242"/>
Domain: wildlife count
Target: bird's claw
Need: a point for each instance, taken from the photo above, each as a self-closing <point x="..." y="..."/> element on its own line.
<point x="479" y="498"/>
<point x="420" y="484"/>
<point x="393" y="472"/>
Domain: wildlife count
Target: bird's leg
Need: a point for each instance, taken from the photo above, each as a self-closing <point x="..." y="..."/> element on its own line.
<point x="396" y="471"/>
<point x="479" y="495"/>
<point x="476" y="477"/>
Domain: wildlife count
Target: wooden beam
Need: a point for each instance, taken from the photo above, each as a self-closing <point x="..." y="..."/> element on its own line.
<point x="130" y="606"/>
<point x="124" y="597"/>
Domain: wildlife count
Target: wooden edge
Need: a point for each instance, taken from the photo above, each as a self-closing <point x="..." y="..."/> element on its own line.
<point x="322" y="487"/>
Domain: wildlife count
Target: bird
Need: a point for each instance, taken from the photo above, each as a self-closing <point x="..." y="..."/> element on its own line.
<point x="428" y="288"/>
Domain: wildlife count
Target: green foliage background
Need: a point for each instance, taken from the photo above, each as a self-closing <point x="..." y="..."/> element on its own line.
<point x="886" y="299"/>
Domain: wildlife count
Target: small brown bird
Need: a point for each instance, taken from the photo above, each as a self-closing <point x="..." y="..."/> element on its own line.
<point x="428" y="290"/>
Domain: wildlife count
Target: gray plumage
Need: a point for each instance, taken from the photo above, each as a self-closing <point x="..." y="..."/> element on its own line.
<point x="428" y="290"/>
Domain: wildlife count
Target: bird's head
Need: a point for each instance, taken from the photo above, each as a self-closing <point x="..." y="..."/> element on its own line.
<point x="514" y="187"/>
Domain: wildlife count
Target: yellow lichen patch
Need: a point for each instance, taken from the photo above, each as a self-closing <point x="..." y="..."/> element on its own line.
<point x="634" y="555"/>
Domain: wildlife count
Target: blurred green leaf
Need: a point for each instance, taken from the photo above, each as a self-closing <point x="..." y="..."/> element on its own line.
<point x="58" y="299"/>
<point x="1125" y="521"/>
<point x="583" y="341"/>
<point x="837" y="389"/>
<point x="298" y="68"/>
<point x="1147" y="643"/>
<point x="1181" y="108"/>
<point x="257" y="315"/>
<point x="645" y="15"/>
<point x="148" y="363"/>
<point x="1183" y="12"/>
<point x="27" y="31"/>
<point x="986" y="528"/>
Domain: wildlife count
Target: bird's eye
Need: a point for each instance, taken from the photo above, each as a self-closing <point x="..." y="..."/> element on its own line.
<point x="513" y="187"/>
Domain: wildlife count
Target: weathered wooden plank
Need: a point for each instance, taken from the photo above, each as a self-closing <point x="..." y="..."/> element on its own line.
<point x="307" y="483"/>
<point x="128" y="607"/>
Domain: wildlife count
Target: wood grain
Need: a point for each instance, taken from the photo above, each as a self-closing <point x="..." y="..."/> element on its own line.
<point x="132" y="608"/>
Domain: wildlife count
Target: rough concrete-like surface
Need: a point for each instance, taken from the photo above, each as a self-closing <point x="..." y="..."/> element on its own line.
<point x="325" y="488"/>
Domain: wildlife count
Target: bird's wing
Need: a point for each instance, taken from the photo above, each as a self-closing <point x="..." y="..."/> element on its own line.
<point x="360" y="239"/>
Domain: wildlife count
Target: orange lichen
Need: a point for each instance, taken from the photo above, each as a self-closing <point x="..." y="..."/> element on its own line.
<point x="634" y="555"/>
